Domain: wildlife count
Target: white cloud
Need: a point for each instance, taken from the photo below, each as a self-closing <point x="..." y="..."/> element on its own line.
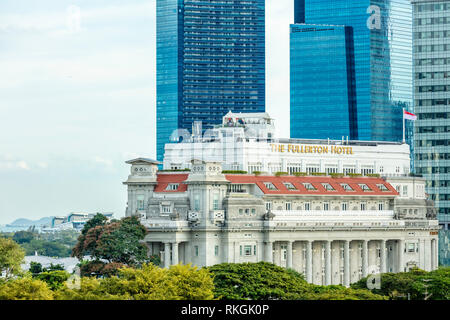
<point x="62" y="21"/>
<point x="13" y="165"/>
<point x="106" y="162"/>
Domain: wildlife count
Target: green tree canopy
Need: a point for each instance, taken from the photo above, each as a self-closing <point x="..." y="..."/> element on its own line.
<point x="180" y="282"/>
<point x="23" y="236"/>
<point x="25" y="289"/>
<point x="256" y="281"/>
<point x="54" y="279"/>
<point x="266" y="281"/>
<point x="415" y="283"/>
<point x="11" y="257"/>
<point x="117" y="241"/>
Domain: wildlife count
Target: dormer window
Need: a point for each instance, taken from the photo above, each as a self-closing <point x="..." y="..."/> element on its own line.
<point x="309" y="186"/>
<point x="173" y="186"/>
<point x="270" y="186"/>
<point x="364" y="187"/>
<point x="382" y="187"/>
<point x="328" y="187"/>
<point x="289" y="186"/>
<point x="346" y="187"/>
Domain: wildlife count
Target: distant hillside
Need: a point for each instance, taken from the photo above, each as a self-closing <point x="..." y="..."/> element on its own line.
<point x="28" y="223"/>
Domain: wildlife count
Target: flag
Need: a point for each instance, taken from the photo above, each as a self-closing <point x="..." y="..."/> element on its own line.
<point x="409" y="116"/>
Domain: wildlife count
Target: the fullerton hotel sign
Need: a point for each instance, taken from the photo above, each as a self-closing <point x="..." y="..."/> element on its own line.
<point x="296" y="148"/>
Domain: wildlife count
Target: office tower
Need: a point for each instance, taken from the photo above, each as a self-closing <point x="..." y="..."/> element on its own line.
<point x="351" y="68"/>
<point x="210" y="60"/>
<point x="432" y="100"/>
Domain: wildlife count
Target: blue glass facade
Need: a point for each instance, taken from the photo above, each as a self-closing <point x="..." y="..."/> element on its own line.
<point x="322" y="67"/>
<point x="210" y="60"/>
<point x="382" y="53"/>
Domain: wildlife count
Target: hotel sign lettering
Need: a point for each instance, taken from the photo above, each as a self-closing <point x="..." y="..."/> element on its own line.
<point x="295" y="148"/>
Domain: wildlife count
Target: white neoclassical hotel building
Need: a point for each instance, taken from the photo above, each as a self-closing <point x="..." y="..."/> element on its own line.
<point x="247" y="142"/>
<point x="333" y="229"/>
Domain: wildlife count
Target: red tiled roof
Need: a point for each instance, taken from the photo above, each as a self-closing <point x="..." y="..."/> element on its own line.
<point x="316" y="181"/>
<point x="165" y="179"/>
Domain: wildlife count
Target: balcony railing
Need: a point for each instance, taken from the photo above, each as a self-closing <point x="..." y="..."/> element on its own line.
<point x="333" y="215"/>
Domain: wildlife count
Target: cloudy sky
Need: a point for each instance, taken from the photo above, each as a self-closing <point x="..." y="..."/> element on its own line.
<point x="77" y="99"/>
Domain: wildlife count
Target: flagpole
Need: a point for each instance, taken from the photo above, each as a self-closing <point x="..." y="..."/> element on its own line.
<point x="403" y="115"/>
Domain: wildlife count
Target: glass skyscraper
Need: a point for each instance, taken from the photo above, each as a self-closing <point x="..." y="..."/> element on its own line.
<point x="432" y="100"/>
<point x="210" y="60"/>
<point x="356" y="60"/>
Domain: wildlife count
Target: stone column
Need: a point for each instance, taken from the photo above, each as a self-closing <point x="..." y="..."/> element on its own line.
<point x="346" y="263"/>
<point x="309" y="275"/>
<point x="289" y="255"/>
<point x="401" y="254"/>
<point x="166" y="254"/>
<point x="433" y="254"/>
<point x="421" y="254"/>
<point x="427" y="257"/>
<point x="175" y="259"/>
<point x="328" y="263"/>
<point x="436" y="253"/>
<point x="365" y="258"/>
<point x="383" y="256"/>
<point x="269" y="251"/>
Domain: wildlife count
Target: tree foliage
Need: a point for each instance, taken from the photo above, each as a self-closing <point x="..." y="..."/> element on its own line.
<point x="25" y="289"/>
<point x="11" y="257"/>
<point x="23" y="236"/>
<point x="54" y="279"/>
<point x="415" y="283"/>
<point x="180" y="282"/>
<point x="256" y="281"/>
<point x="266" y="281"/>
<point x="117" y="241"/>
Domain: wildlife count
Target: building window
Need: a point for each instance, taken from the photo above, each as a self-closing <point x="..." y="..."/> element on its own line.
<point x="381" y="206"/>
<point x="173" y="186"/>
<point x="216" y="251"/>
<point x="288" y="206"/>
<point x="196" y="251"/>
<point x="364" y="187"/>
<point x="346" y="187"/>
<point x="216" y="201"/>
<point x="196" y="202"/>
<point x="247" y="250"/>
<point x="411" y="247"/>
<point x="166" y="209"/>
<point x="312" y="169"/>
<point x="363" y="206"/>
<point x="307" y="206"/>
<point x="326" y="206"/>
<point x="254" y="250"/>
<point x="309" y="186"/>
<point x="405" y="191"/>
<point x="140" y="202"/>
<point x="283" y="252"/>
<point x="268" y="206"/>
<point x="238" y="188"/>
<point x="348" y="170"/>
<point x="270" y="186"/>
<point x="247" y="212"/>
<point x="382" y="187"/>
<point x="328" y="187"/>
<point x="344" y="206"/>
<point x="289" y="186"/>
<point x="241" y="212"/>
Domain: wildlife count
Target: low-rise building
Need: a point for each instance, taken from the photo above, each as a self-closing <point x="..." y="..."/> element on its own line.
<point x="333" y="229"/>
<point x="73" y="221"/>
